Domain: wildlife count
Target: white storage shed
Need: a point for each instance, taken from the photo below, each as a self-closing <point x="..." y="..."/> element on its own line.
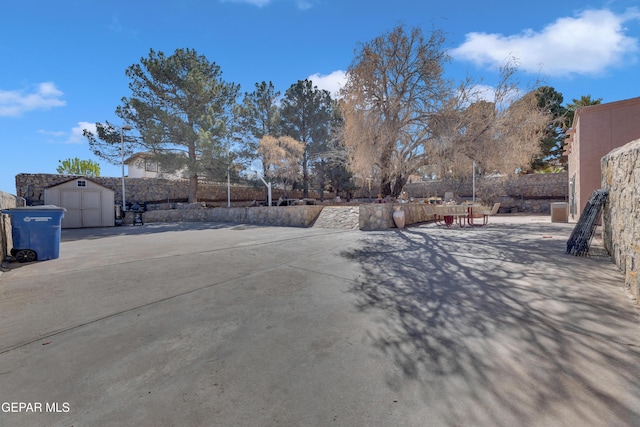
<point x="88" y="203"/>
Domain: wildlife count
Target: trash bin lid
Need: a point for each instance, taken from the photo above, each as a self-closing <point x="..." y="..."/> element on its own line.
<point x="34" y="208"/>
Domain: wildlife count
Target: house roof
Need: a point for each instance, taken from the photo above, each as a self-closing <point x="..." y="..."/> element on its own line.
<point x="140" y="155"/>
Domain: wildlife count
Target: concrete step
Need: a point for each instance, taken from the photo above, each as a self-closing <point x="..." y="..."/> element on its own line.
<point x="341" y="217"/>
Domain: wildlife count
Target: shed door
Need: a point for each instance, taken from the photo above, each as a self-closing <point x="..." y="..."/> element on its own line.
<point x="84" y="208"/>
<point x="71" y="200"/>
<point x="91" y="208"/>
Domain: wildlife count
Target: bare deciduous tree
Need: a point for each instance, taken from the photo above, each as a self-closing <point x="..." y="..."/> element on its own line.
<point x="402" y="115"/>
<point x="282" y="158"/>
<point x="394" y="84"/>
<point x="501" y="135"/>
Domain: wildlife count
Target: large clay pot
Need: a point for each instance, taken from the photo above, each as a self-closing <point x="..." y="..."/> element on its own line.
<point x="398" y="216"/>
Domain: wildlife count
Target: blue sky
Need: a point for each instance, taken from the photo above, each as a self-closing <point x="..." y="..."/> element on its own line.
<point x="62" y="63"/>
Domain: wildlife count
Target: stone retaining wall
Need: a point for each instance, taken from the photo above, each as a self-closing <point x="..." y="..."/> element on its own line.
<point x="288" y="216"/>
<point x="621" y="214"/>
<point x="155" y="190"/>
<point x="532" y="193"/>
<point x="7" y="201"/>
<point x="371" y="216"/>
<point x="379" y="216"/>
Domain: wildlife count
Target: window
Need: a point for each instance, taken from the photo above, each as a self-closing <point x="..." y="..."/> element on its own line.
<point x="81" y="183"/>
<point x="150" y="166"/>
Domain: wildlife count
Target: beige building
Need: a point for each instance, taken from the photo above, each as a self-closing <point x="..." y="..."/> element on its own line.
<point x="88" y="203"/>
<point x="597" y="129"/>
<point x="142" y="165"/>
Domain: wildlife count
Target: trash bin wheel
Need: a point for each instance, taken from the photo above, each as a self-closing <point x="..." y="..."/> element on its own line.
<point x="26" y="255"/>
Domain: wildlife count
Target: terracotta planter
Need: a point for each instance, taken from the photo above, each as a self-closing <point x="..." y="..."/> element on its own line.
<point x="398" y="216"/>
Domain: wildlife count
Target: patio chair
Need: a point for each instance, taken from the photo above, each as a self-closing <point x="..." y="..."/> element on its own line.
<point x="430" y="212"/>
<point x="448" y="215"/>
<point x="486" y="213"/>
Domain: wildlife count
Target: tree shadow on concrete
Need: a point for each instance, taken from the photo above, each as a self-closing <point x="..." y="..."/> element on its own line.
<point x="496" y="326"/>
<point x="72" y="234"/>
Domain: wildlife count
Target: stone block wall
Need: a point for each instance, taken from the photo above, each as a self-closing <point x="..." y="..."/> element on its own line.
<point x="371" y="216"/>
<point x="621" y="213"/>
<point x="376" y="216"/>
<point x="7" y="201"/>
<point x="154" y="190"/>
<point x="287" y="216"/>
<point x="531" y="193"/>
<point x="379" y="216"/>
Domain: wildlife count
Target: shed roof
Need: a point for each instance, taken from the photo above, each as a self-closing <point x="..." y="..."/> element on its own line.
<point x="75" y="178"/>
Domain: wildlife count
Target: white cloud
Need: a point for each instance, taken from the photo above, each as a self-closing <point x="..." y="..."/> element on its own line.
<point x="76" y="136"/>
<point x="304" y="4"/>
<point x="588" y="43"/>
<point x="14" y="103"/>
<point x="258" y="3"/>
<point x="300" y="4"/>
<point x="332" y="82"/>
<point x="53" y="133"/>
<point x="482" y="92"/>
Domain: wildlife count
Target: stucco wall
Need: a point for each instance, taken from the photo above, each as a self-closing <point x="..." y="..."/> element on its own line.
<point x="621" y="214"/>
<point x="598" y="129"/>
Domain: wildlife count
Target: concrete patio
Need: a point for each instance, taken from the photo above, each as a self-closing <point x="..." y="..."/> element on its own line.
<point x="234" y="325"/>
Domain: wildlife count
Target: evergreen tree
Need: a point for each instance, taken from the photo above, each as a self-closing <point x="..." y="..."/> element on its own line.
<point x="306" y="115"/>
<point x="182" y="111"/>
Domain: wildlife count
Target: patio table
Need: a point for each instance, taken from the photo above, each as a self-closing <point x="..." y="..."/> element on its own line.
<point x="471" y="213"/>
<point x="448" y="215"/>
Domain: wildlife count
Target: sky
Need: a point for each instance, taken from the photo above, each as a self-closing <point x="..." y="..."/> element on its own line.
<point x="63" y="62"/>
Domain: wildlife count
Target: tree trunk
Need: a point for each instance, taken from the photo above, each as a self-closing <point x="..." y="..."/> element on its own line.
<point x="385" y="180"/>
<point x="391" y="185"/>
<point x="398" y="185"/>
<point x="193" y="188"/>
<point x="305" y="175"/>
<point x="266" y="178"/>
<point x="321" y="185"/>
<point x="193" y="176"/>
<point x="385" y="186"/>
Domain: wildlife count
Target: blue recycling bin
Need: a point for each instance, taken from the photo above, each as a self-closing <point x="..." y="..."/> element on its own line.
<point x="35" y="231"/>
